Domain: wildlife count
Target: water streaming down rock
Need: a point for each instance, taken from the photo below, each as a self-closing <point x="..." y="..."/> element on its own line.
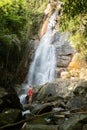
<point x="42" y="69"/>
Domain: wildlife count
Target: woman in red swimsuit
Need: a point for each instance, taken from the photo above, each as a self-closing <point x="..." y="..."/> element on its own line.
<point x="30" y="94"/>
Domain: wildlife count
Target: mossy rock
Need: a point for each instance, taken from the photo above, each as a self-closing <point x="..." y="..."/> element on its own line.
<point x="40" y="127"/>
<point x="75" y="122"/>
<point x="10" y="116"/>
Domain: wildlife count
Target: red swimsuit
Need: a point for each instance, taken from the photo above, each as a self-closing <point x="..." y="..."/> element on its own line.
<point x="30" y="92"/>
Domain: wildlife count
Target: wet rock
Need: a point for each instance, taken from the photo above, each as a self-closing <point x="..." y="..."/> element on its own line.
<point x="60" y="87"/>
<point x="40" y="127"/>
<point x="81" y="89"/>
<point x="42" y="108"/>
<point x="10" y="116"/>
<point x="75" y="122"/>
<point x="10" y="107"/>
<point x="39" y="121"/>
<point x="25" y="62"/>
<point x="8" y="100"/>
<point x="53" y="98"/>
<point x="84" y="127"/>
<point x="75" y="102"/>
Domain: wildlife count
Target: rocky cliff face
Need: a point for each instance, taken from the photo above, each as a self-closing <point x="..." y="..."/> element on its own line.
<point x="64" y="54"/>
<point x="64" y="51"/>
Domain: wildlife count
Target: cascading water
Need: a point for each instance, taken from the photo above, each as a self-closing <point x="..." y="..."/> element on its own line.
<point x="42" y="69"/>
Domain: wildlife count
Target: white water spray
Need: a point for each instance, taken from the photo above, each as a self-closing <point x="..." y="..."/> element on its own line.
<point x="42" y="69"/>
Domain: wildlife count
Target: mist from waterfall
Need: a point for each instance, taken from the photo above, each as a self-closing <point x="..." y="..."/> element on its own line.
<point x="43" y="66"/>
<point x="42" y="69"/>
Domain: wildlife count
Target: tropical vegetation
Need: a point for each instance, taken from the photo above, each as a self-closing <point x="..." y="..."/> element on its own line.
<point x="74" y="20"/>
<point x="20" y="21"/>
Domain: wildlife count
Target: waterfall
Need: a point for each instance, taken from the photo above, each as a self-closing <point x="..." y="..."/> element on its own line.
<point x="42" y="69"/>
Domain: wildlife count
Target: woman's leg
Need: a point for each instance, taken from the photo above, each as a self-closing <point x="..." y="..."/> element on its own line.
<point x="30" y="99"/>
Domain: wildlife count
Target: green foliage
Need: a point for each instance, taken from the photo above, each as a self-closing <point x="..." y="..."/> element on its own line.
<point x="13" y="20"/>
<point x="74" y="20"/>
<point x="9" y="52"/>
<point x="36" y="12"/>
<point x="9" y="57"/>
<point x="13" y="16"/>
<point x="18" y="19"/>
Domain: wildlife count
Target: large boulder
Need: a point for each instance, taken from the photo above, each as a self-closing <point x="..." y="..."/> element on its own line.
<point x="8" y="100"/>
<point x="10" y="116"/>
<point x="75" y="122"/>
<point x="81" y="89"/>
<point x="10" y="107"/>
<point x="68" y="93"/>
<point x="60" y="87"/>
